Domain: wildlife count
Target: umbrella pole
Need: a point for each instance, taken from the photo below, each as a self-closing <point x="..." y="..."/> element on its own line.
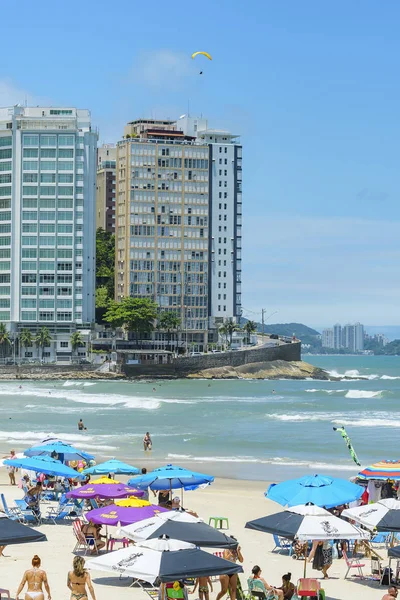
<point x="305" y="559"/>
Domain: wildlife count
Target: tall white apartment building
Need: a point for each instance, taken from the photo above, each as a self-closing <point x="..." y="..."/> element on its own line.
<point x="47" y="218"/>
<point x="328" y="338"/>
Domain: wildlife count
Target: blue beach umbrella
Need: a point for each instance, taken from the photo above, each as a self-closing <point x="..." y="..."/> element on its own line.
<point x="44" y="464"/>
<point x="170" y="478"/>
<point x="66" y="451"/>
<point x="112" y="466"/>
<point x="320" y="490"/>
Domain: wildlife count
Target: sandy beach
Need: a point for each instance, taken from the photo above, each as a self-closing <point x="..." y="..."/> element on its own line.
<point x="240" y="501"/>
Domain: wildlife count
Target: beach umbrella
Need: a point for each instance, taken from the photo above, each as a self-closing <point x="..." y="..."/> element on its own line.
<point x="385" y="469"/>
<point x="382" y="516"/>
<point x="115" y="514"/>
<point x="103" y="480"/>
<point x="179" y="526"/>
<point x="44" y="464"/>
<point x="170" y="478"/>
<point x="105" y="490"/>
<point x="307" y="523"/>
<point x="320" y="490"/>
<point x="112" y="466"/>
<point x="12" y="532"/>
<point x="165" y="560"/>
<point x="66" y="451"/>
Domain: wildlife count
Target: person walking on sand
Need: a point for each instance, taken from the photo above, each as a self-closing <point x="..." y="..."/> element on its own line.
<point x="147" y="443"/>
<point x="36" y="578"/>
<point x="11" y="470"/>
<point x="230" y="583"/>
<point x="203" y="583"/>
<point x="78" y="579"/>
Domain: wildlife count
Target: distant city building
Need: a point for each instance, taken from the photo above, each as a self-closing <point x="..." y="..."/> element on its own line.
<point x="358" y="337"/>
<point x="178" y="222"/>
<point x="47" y="231"/>
<point x="337" y="336"/>
<point x="328" y="338"/>
<point x="105" y="187"/>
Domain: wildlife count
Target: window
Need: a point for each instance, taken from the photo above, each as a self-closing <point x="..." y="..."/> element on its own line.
<point x="47" y="266"/>
<point x="64" y="203"/>
<point x="30" y="165"/>
<point x="47" y="228"/>
<point x="47" y="215"/>
<point x="48" y="153"/>
<point x="31" y="140"/>
<point x="220" y="172"/>
<point x="64" y="316"/>
<point x="5" y="216"/>
<point x="220" y="183"/>
<point x="5" y="265"/>
<point x="64" y="279"/>
<point x="5" y="153"/>
<point x="47" y="203"/>
<point x="66" y="166"/>
<point x="65" y="216"/>
<point x="5" y="252"/>
<point x="5" y="191"/>
<point x="63" y="344"/>
<point x="226" y="161"/>
<point x="28" y="316"/>
<point x="64" y="267"/>
<point x="28" y="266"/>
<point x="220" y="149"/>
<point x="28" y="291"/>
<point x="29" y="240"/>
<point x="219" y="307"/>
<point x="47" y="178"/>
<point x="6" y="141"/>
<point x="226" y="150"/>
<point x="65" y="178"/>
<point x="29" y="253"/>
<point x="5" y="166"/>
<point x="224" y="307"/>
<point x="47" y="253"/>
<point x="225" y="172"/>
<point x="64" y="241"/>
<point x="28" y="303"/>
<point x="47" y="190"/>
<point x="225" y="184"/>
<point x="66" y="140"/>
<point x="46" y="291"/>
<point x="46" y="303"/>
<point x="64" y="228"/>
<point x="30" y="178"/>
<point x="48" y="140"/>
<point x="64" y="303"/>
<point x="30" y="190"/>
<point x="46" y="316"/>
<point x="29" y="203"/>
<point x="66" y="191"/>
<point x="28" y="354"/>
<point x="65" y="153"/>
<point x="47" y="165"/>
<point x="220" y="161"/>
<point x="225" y="195"/>
<point x="64" y="291"/>
<point x="47" y="279"/>
<point x="28" y="278"/>
<point x="64" y="253"/>
<point x="5" y="228"/>
<point x="5" y="241"/>
<point x="5" y="178"/>
<point x="219" y="194"/>
<point x="47" y="240"/>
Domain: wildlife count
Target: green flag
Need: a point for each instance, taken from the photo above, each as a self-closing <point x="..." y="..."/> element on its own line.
<point x="349" y="445"/>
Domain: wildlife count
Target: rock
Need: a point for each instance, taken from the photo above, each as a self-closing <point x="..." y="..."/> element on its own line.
<point x="277" y="369"/>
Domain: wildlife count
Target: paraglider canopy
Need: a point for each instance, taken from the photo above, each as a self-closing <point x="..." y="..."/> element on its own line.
<point x="203" y="53"/>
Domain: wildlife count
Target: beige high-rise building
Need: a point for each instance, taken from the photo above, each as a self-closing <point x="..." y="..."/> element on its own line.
<point x="105" y="187"/>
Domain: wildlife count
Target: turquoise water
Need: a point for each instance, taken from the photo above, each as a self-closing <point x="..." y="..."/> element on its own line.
<point x="232" y="428"/>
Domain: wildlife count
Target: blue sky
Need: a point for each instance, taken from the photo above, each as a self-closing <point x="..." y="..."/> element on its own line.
<point x="313" y="88"/>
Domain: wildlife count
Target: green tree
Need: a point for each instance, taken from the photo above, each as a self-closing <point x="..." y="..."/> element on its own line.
<point x="76" y="341"/>
<point x="105" y="260"/>
<point x="249" y="327"/>
<point x="230" y="326"/>
<point x="136" y="315"/>
<point x="5" y="341"/>
<point x="102" y="302"/>
<point x="169" y="322"/>
<point x="43" y="339"/>
<point x="25" y="339"/>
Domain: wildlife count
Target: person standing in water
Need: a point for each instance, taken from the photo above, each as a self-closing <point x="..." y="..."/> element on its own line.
<point x="35" y="578"/>
<point x="81" y="425"/>
<point x="147" y="443"/>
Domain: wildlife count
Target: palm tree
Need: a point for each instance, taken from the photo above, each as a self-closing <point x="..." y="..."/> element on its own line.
<point x="230" y="326"/>
<point x="43" y="339"/>
<point x="76" y="341"/>
<point x="170" y="321"/>
<point x="250" y="327"/>
<point x="25" y="339"/>
<point x="4" y="339"/>
<point x="224" y="333"/>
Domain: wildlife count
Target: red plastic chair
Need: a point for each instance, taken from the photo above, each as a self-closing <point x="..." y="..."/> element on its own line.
<point x="5" y="592"/>
<point x="308" y="588"/>
<point x="353" y="563"/>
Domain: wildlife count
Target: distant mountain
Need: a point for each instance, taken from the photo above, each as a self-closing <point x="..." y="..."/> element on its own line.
<point x="302" y="332"/>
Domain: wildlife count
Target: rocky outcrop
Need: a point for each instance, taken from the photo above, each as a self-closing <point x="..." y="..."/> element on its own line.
<point x="277" y="369"/>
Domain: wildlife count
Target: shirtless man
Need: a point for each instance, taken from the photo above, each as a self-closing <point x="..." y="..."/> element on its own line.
<point x="81" y="425"/>
<point x="35" y="578"/>
<point x="391" y="593"/>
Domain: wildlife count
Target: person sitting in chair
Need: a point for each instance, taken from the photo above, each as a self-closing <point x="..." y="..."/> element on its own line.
<point x="256" y="577"/>
<point x="288" y="588"/>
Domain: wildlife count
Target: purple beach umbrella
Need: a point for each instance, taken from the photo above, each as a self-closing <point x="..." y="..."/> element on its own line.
<point x="105" y="490"/>
<point x="123" y="515"/>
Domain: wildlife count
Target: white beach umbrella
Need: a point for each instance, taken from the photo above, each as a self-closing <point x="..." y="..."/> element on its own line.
<point x="383" y="515"/>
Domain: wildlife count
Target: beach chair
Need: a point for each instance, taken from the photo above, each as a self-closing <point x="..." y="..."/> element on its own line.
<point x="377" y="570"/>
<point x="353" y="563"/>
<point x="62" y="512"/>
<point x="258" y="590"/>
<point x="308" y="588"/>
<point x="26" y="514"/>
<point x="282" y="544"/>
<point x="4" y="593"/>
<point x="83" y="542"/>
<point x="11" y="513"/>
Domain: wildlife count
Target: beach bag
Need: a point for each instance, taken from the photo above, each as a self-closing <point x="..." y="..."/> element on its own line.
<point x="387" y="577"/>
<point x="318" y="561"/>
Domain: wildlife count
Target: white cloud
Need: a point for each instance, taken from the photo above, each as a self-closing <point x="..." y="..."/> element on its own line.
<point x="162" y="66"/>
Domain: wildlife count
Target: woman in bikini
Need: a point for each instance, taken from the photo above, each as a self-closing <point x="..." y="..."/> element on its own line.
<point x="230" y="582"/>
<point x="35" y="578"/>
<point x="78" y="579"/>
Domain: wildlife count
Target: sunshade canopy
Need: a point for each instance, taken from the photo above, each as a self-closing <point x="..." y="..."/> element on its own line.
<point x="105" y="490"/>
<point x="123" y="515"/>
<point x="66" y="451"/>
<point x="394" y="552"/>
<point x="112" y="466"/>
<point x="307" y="523"/>
<point x="320" y="490"/>
<point x="385" y="469"/>
<point x="170" y="477"/>
<point x="44" y="464"/>
<point x="148" y="564"/>
<point x="12" y="532"/>
<point x="180" y="526"/>
<point x="382" y="516"/>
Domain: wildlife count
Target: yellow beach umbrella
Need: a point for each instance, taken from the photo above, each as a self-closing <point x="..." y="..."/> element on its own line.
<point x="103" y="480"/>
<point x="132" y="502"/>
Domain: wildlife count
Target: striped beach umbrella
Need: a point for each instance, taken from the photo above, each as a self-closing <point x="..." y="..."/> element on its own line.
<point x="385" y="469"/>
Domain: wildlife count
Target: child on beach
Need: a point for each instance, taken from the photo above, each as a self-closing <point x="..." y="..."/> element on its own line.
<point x="203" y="583"/>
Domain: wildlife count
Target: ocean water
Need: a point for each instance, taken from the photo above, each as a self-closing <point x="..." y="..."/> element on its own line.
<point x="268" y="430"/>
